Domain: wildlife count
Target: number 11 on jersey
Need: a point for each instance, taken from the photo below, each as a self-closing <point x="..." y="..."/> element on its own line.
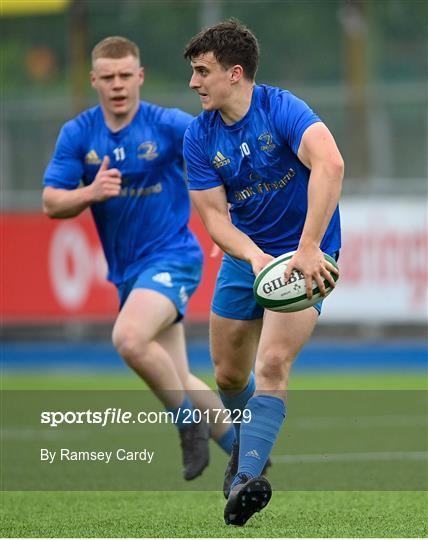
<point x="119" y="153"/>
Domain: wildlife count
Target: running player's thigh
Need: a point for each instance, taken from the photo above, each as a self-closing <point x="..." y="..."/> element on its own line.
<point x="145" y="313"/>
<point x="172" y="339"/>
<point x="234" y="342"/>
<point x="284" y="334"/>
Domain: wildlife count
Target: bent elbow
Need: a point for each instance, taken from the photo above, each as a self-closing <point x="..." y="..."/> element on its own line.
<point x="50" y="211"/>
<point x="334" y="170"/>
<point x="47" y="210"/>
<point x="338" y="167"/>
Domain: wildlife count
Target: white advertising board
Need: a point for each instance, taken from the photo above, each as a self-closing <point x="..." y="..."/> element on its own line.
<point x="383" y="263"/>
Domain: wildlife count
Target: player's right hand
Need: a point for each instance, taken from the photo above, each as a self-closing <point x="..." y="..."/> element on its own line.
<point x="259" y="261"/>
<point x="107" y="182"/>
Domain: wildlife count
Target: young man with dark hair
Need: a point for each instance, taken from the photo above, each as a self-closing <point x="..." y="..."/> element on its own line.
<point x="265" y="175"/>
<point x="128" y="154"/>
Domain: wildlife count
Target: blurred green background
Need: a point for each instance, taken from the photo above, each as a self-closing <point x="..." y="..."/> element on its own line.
<point x="361" y="64"/>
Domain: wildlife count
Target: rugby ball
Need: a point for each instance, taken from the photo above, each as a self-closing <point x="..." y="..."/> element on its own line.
<point x="273" y="293"/>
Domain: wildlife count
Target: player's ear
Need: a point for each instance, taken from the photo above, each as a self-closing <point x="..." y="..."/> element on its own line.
<point x="236" y="73"/>
<point x="141" y="75"/>
<point x="92" y="78"/>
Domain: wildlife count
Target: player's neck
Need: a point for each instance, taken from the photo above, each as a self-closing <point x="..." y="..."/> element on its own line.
<point x="116" y="122"/>
<point x="238" y="104"/>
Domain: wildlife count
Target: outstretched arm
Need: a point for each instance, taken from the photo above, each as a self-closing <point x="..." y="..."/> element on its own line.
<point x="212" y="207"/>
<point x="318" y="151"/>
<point x="63" y="203"/>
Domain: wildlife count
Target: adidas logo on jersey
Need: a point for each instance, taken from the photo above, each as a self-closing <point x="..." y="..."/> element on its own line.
<point x="220" y="160"/>
<point x="164" y="278"/>
<point x="253" y="453"/>
<point x="92" y="158"/>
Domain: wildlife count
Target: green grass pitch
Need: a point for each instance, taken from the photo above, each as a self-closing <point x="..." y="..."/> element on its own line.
<point x="200" y="513"/>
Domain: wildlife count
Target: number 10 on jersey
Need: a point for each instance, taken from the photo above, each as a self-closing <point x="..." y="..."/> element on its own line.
<point x="245" y="149"/>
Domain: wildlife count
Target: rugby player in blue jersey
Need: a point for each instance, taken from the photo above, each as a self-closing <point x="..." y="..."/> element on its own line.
<point x="265" y="175"/>
<point x="127" y="154"/>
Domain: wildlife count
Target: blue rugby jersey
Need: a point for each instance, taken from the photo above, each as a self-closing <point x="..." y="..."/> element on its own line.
<point x="256" y="161"/>
<point x="150" y="216"/>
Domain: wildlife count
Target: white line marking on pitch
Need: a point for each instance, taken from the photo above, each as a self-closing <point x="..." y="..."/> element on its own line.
<point x="359" y="421"/>
<point x="355" y="456"/>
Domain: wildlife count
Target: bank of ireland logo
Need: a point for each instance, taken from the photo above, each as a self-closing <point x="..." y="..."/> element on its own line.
<point x="219" y="160"/>
<point x="266" y="142"/>
<point x="147" y="150"/>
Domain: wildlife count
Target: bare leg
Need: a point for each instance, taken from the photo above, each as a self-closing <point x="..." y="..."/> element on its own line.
<point x="282" y="338"/>
<point x="172" y="339"/>
<point x="233" y="350"/>
<point x="145" y="314"/>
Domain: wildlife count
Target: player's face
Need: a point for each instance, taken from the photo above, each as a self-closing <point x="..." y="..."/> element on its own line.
<point x="118" y="81"/>
<point x="211" y="81"/>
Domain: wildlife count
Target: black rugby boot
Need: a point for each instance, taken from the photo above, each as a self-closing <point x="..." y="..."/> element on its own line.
<point x="232" y="469"/>
<point x="194" y="444"/>
<point x="246" y="498"/>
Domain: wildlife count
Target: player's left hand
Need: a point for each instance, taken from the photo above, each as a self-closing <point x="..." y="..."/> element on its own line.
<point x="311" y="263"/>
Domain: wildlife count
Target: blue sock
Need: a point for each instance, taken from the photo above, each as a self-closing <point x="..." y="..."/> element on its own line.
<point x="182" y="416"/>
<point x="239" y="401"/>
<point x="259" y="435"/>
<point x="226" y="440"/>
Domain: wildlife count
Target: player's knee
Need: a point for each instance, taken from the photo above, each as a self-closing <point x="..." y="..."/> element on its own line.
<point x="127" y="343"/>
<point x="274" y="364"/>
<point x="230" y="379"/>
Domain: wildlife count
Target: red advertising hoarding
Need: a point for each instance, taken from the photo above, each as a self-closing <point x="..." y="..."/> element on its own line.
<point x="54" y="270"/>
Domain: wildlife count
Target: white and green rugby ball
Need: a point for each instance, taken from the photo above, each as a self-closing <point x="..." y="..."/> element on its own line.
<point x="273" y="293"/>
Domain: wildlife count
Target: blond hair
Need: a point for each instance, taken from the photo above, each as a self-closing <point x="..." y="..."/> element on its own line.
<point x="115" y="47"/>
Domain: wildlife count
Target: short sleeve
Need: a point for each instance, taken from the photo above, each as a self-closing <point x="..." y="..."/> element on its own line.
<point x="292" y="117"/>
<point x="200" y="173"/>
<point x="65" y="169"/>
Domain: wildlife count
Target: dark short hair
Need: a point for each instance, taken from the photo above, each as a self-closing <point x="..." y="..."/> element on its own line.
<point x="115" y="47"/>
<point x="231" y="43"/>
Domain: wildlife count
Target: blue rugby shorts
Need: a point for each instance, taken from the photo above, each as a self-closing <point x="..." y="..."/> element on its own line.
<point x="177" y="280"/>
